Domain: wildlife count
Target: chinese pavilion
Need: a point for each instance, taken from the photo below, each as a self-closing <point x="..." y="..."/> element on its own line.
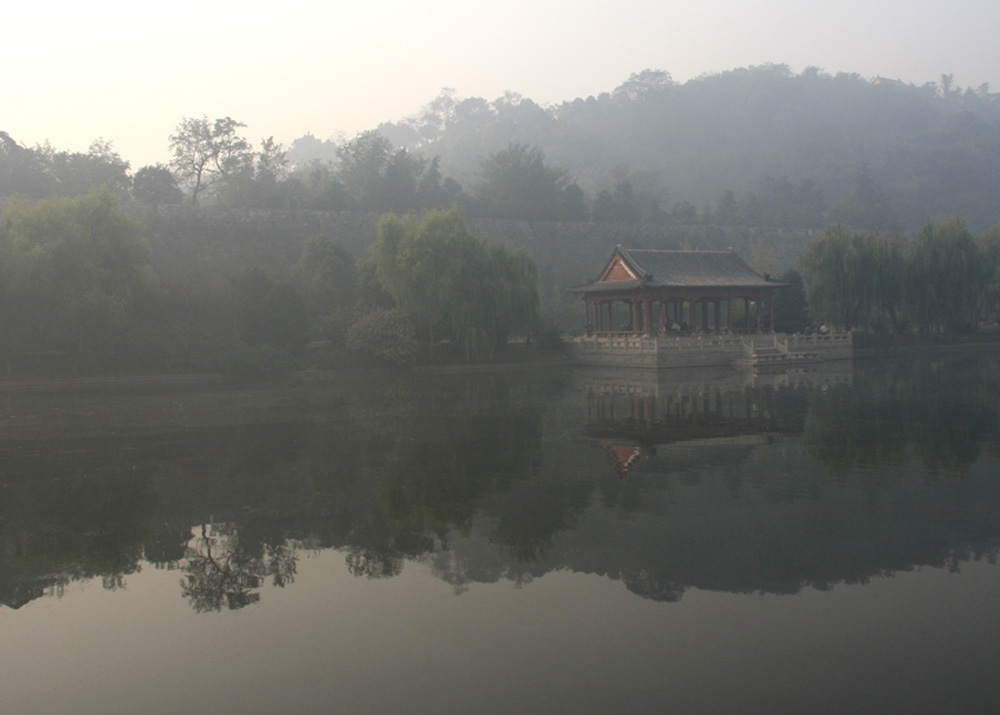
<point x="655" y="292"/>
<point x="658" y="308"/>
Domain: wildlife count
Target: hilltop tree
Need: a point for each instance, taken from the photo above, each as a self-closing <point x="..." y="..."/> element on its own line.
<point x="257" y="178"/>
<point x="616" y="205"/>
<point x="22" y="171"/>
<point x="362" y="164"/>
<point x="155" y="185"/>
<point x="517" y="183"/>
<point x="864" y="206"/>
<point x="205" y="151"/>
<point x="76" y="173"/>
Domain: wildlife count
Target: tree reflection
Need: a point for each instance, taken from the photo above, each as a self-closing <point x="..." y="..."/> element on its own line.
<point x="945" y="411"/>
<point x="225" y="571"/>
<point x="485" y="479"/>
<point x="438" y="475"/>
<point x="63" y="521"/>
<point x="372" y="563"/>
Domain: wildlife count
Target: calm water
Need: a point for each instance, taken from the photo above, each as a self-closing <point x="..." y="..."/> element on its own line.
<point x="551" y="541"/>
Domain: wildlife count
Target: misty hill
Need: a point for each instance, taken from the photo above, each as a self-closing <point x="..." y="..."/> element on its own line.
<point x="805" y="149"/>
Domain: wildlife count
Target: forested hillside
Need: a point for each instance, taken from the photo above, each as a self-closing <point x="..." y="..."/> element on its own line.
<point x="755" y="147"/>
<point x="758" y="146"/>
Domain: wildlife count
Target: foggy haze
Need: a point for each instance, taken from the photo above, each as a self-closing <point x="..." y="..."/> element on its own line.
<point x="127" y="73"/>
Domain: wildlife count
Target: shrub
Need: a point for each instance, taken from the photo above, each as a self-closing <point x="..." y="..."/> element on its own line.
<point x="386" y="336"/>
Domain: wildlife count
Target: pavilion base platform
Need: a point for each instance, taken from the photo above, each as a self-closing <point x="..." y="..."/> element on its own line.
<point x="764" y="352"/>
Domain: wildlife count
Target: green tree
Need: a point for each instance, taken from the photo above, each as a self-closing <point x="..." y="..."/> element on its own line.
<point x="791" y="310"/>
<point x="451" y="283"/>
<point x="328" y="277"/>
<point x="75" y="269"/>
<point x="271" y="313"/>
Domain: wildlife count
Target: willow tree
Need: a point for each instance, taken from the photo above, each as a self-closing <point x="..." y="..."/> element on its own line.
<point x="878" y="274"/>
<point x="453" y="285"/>
<point x="988" y="245"/>
<point x="826" y="267"/>
<point x="946" y="278"/>
<point x="854" y="280"/>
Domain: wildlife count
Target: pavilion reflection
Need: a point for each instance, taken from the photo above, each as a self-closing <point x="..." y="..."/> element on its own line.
<point x="634" y="414"/>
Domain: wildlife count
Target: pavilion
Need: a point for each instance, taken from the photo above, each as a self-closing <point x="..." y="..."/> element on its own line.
<point x="656" y="292"/>
<point x="660" y="308"/>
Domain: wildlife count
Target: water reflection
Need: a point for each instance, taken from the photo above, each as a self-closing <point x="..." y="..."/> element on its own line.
<point x="225" y="566"/>
<point x="730" y="482"/>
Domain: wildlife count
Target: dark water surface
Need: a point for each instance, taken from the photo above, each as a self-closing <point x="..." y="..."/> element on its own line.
<point x="518" y="541"/>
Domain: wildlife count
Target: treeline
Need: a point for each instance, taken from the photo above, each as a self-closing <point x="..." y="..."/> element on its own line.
<point x="944" y="281"/>
<point x="757" y="146"/>
<point x="214" y="165"/>
<point x="77" y="282"/>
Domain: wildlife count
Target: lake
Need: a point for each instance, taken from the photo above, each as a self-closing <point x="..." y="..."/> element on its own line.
<point x="519" y="540"/>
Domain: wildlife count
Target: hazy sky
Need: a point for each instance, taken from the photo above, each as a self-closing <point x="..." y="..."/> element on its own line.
<point x="129" y="71"/>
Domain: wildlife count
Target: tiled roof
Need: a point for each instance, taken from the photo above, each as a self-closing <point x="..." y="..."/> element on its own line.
<point x="694" y="268"/>
<point x="681" y="269"/>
